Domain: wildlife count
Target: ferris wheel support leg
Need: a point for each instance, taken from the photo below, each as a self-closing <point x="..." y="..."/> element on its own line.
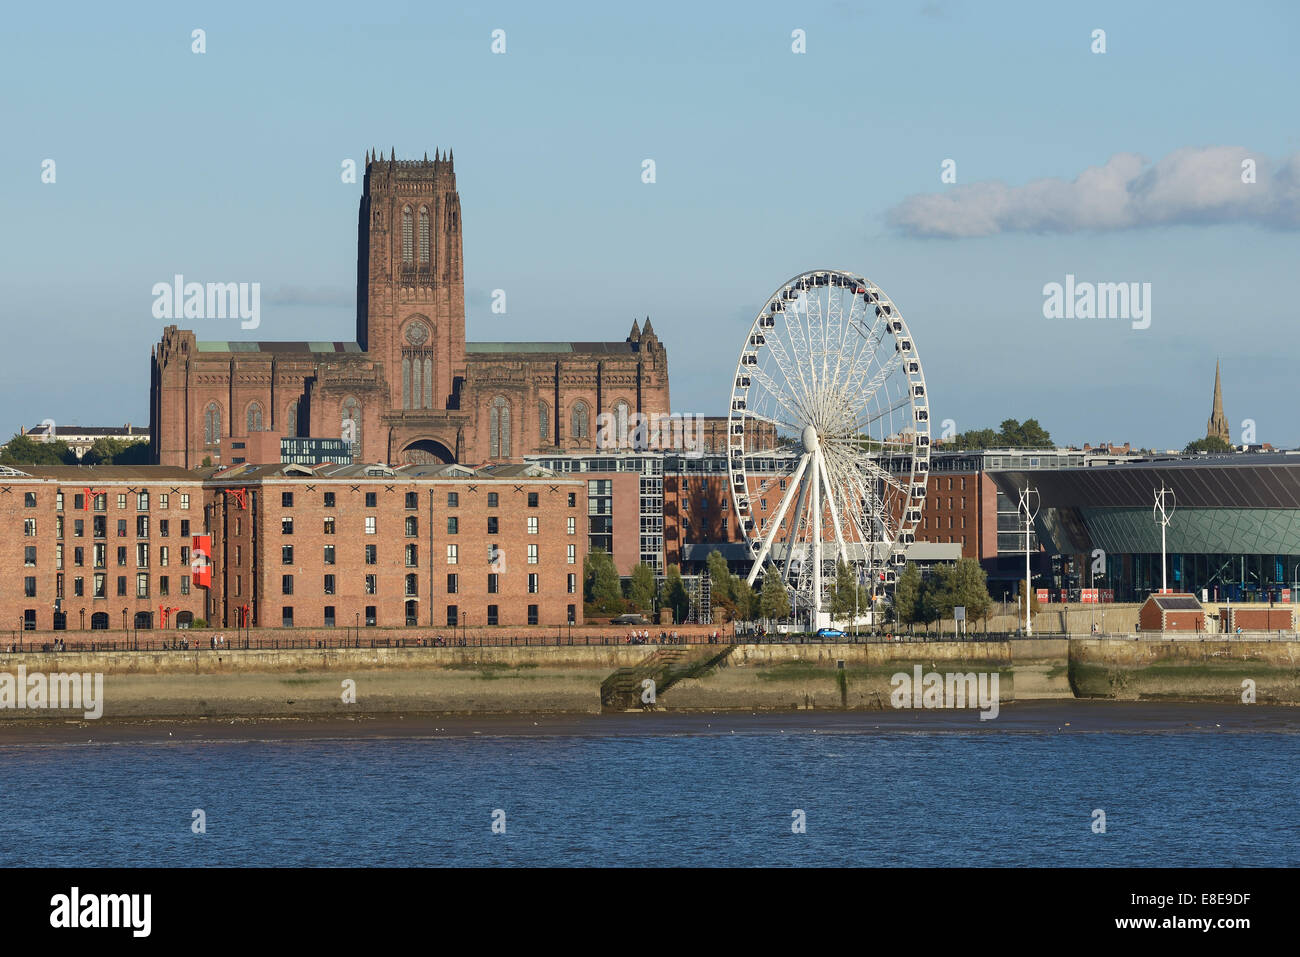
<point x="776" y="520"/>
<point x="816" y="539"/>
<point x="835" y="515"/>
<point x="795" y="527"/>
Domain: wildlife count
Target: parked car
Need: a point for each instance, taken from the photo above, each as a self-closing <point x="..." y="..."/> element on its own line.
<point x="628" y="620"/>
<point x="831" y="633"/>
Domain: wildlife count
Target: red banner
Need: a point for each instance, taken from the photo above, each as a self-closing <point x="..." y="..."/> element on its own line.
<point x="201" y="561"/>
<point x="1041" y="595"/>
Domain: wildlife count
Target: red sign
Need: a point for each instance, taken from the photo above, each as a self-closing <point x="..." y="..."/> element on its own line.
<point x="201" y="561"/>
<point x="1041" y="595"/>
<point x="1088" y="595"/>
<point x="1286" y="594"/>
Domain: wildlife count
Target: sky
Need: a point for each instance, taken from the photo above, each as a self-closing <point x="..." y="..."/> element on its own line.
<point x="1123" y="166"/>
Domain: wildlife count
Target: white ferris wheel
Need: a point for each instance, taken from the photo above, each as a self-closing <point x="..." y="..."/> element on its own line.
<point x="828" y="444"/>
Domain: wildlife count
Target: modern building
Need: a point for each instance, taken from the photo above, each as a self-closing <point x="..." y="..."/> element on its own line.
<point x="80" y="438"/>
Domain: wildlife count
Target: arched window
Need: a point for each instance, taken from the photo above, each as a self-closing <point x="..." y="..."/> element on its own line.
<point x="255" y="417"/>
<point x="622" y="438"/>
<point x="212" y="424"/>
<point x="499" y="428"/>
<point x="424" y="234"/>
<point x="543" y="422"/>
<point x="580" y="428"/>
<point x="291" y="419"/>
<point x="351" y="425"/>
<point x="407" y="235"/>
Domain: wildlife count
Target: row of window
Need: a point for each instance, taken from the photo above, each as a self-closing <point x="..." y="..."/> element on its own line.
<point x="99" y="501"/>
<point x="412" y="584"/>
<point x="496" y="555"/>
<point x="412" y="500"/>
<point x="412" y="610"/>
<point x="99" y="555"/>
<point x="99" y="527"/>
<point x="99" y="585"/>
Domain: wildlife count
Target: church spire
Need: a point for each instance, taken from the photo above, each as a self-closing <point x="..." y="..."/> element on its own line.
<point x="1217" y="427"/>
<point x="635" y="334"/>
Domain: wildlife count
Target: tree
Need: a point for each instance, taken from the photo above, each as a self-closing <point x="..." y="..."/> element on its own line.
<point x="600" y="581"/>
<point x="1011" y="434"/>
<point x="720" y="582"/>
<point x="23" y="450"/>
<point x="907" y="596"/>
<point x="675" y="596"/>
<point x="111" y="451"/>
<point x="773" y="598"/>
<point x="745" y="598"/>
<point x="641" y="587"/>
<point x="846" y="595"/>
<point x="962" y="584"/>
<point x="1211" y="443"/>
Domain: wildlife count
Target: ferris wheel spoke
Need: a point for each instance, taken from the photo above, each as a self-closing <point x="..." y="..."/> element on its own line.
<point x="773" y="390"/>
<point x="791" y="369"/>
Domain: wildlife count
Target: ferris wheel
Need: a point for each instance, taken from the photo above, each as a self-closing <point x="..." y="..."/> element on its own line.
<point x="828" y="437"/>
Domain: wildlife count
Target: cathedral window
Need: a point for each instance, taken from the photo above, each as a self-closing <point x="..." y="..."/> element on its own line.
<point x="622" y="439"/>
<point x="543" y="422"/>
<point x="351" y="425"/>
<point x="255" y="418"/>
<point x="407" y="236"/>
<point x="212" y="424"/>
<point x="291" y="418"/>
<point x="580" y="421"/>
<point x="499" y="428"/>
<point x="424" y="235"/>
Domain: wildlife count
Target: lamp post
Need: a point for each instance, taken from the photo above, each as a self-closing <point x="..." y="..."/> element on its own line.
<point x="1028" y="507"/>
<point x="83" y="619"/>
<point x="1163" y="512"/>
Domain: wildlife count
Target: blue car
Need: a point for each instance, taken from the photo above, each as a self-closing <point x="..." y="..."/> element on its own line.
<point x="831" y="633"/>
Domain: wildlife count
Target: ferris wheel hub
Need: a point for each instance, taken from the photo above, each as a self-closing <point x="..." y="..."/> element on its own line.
<point x="810" y="441"/>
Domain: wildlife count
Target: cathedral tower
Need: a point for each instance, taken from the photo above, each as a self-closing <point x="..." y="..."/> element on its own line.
<point x="1217" y="427"/>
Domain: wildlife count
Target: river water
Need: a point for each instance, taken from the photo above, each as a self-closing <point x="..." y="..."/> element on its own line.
<point x="1178" y="786"/>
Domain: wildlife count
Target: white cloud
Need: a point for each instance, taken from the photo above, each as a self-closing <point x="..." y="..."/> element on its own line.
<point x="1189" y="186"/>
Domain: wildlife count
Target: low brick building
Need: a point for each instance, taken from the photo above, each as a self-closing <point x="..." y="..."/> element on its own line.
<point x="1172" y="612"/>
<point x="1257" y="618"/>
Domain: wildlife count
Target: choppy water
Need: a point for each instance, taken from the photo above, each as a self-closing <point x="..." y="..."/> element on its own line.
<point x="682" y="799"/>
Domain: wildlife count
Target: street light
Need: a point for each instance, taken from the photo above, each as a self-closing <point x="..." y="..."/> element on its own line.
<point x="1028" y="507"/>
<point x="1163" y="512"/>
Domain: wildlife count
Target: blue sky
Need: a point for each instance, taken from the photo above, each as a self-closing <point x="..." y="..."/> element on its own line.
<point x="225" y="167"/>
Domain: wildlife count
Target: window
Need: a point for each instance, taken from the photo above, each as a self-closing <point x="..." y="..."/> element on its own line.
<point x="412" y="556"/>
<point x="572" y="614"/>
<point x="350" y="427"/>
<point x="492" y="499"/>
<point x="286" y="584"/>
<point x="499" y="428"/>
<point x="371" y="555"/>
<point x="412" y="526"/>
<point x="29" y="586"/>
<point x="453" y="500"/>
<point x="164" y="527"/>
<point x="142" y="585"/>
<point x="573" y="555"/>
<point x="413" y="585"/>
<point x="142" y="526"/>
<point x="58" y="500"/>
<point x="164" y="585"/>
<point x="532" y="554"/>
<point x="573" y="525"/>
<point x="185" y="554"/>
<point x="328" y="587"/>
<point x="492" y="583"/>
<point x="142" y="501"/>
<point x="329" y="526"/>
<point x="162" y="556"/>
<point x="532" y="614"/>
<point x="532" y="583"/>
<point x="239" y="555"/>
<point x="286" y="615"/>
<point x="121" y="554"/>
<point x="408" y="237"/>
<point x="532" y="499"/>
<point x="78" y="586"/>
<point x="286" y="526"/>
<point x="29" y="527"/>
<point x="329" y="554"/>
<point x="329" y="499"/>
<point x="286" y="554"/>
<point x="573" y="584"/>
<point x="78" y="557"/>
<point x="371" y="587"/>
<point x="185" y="584"/>
<point x="58" y="526"/>
<point x="492" y="616"/>
<point x="573" y="500"/>
<point x="492" y="525"/>
<point x="58" y="556"/>
<point x="78" y="527"/>
<point x="185" y="501"/>
<point x="371" y="499"/>
<point x="451" y="583"/>
<point x="254" y="418"/>
<point x="286" y="500"/>
<point x="453" y="525"/>
<point x="121" y="500"/>
<point x="370" y="616"/>
<point x="29" y="555"/>
<point x="211" y="425"/>
<point x="121" y="584"/>
<point x="532" y="525"/>
<point x="29" y="499"/>
<point x="543" y="422"/>
<point x="370" y="525"/>
<point x="329" y="616"/>
<point x="452" y="617"/>
<point x="101" y="586"/>
<point x="579" y="421"/>
<point x="164" y="500"/>
<point x="452" y="554"/>
<point x="141" y="555"/>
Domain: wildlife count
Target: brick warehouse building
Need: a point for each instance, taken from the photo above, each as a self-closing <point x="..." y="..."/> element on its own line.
<point x="410" y="389"/>
<point x="291" y="546"/>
